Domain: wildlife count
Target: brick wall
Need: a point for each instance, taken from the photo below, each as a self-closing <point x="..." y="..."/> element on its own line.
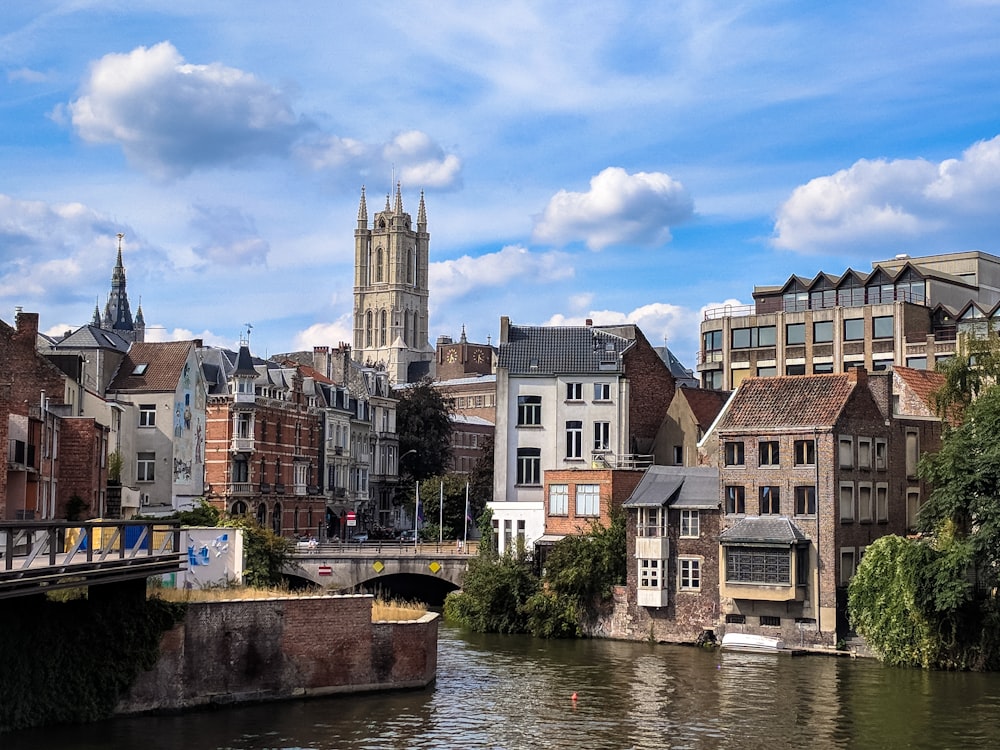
<point x="273" y="649"/>
<point x="81" y="470"/>
<point x="651" y="390"/>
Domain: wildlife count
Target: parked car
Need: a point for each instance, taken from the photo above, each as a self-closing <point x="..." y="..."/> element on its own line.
<point x="359" y="538"/>
<point x="408" y="535"/>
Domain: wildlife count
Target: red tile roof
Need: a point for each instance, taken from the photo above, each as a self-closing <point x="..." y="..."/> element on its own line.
<point x="789" y="401"/>
<point x="164" y="362"/>
<point x="705" y="404"/>
<point x="923" y="383"/>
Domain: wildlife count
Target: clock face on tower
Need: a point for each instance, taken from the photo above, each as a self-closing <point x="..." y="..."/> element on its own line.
<point x="452" y="356"/>
<point x="479" y="356"/>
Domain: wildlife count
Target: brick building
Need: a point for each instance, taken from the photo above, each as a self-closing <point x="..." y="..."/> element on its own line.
<point x="691" y="413"/>
<point x="813" y="469"/>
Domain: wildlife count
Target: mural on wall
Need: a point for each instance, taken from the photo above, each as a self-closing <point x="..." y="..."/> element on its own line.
<point x="214" y="557"/>
<point x="189" y="413"/>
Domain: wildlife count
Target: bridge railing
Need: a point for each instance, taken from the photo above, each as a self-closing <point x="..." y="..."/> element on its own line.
<point x="43" y="553"/>
<point x="385" y="547"/>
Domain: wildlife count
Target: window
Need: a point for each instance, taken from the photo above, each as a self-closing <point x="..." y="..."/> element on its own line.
<point x="734" y="454"/>
<point x="588" y="500"/>
<point x="145" y="470"/>
<point x="276" y="519"/>
<point x="795" y="369"/>
<point x="768" y="452"/>
<point x="602" y="391"/>
<point x="880" y="454"/>
<point x="241" y="470"/>
<point x="147" y="415"/>
<point x="846" y="565"/>
<point x="711" y="341"/>
<point x="689" y="573"/>
<point x="847" y="502"/>
<point x="558" y="499"/>
<point x="529" y="410"/>
<point x="805" y="500"/>
<point x="805" y="452"/>
<point x="745" y="338"/>
<point x="917" y="363"/>
<point x="690" y="524"/>
<point x="678" y="455"/>
<point x="912" y="452"/>
<point x="770" y="501"/>
<point x="574" y="438"/>
<point x="602" y="436"/>
<point x="822" y="331"/>
<point x="866" y="509"/>
<point x="822" y="368"/>
<point x="912" y="509"/>
<point x="864" y="453"/>
<point x="882" y="327"/>
<point x="736" y="619"/>
<point x="881" y="502"/>
<point x="767" y="372"/>
<point x="765" y="565"/>
<point x="736" y="498"/>
<point x="529" y="466"/>
<point x="854" y="329"/>
<point x="574" y="391"/>
<point x="770" y="621"/>
<point x="652" y="522"/>
<point x="846" y="452"/>
<point x="711" y="380"/>
<point x="795" y="333"/>
<point x="649" y="574"/>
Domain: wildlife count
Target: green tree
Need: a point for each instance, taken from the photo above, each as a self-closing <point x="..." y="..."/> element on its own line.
<point x="968" y="374"/>
<point x="453" y="517"/>
<point x="423" y="423"/>
<point x="495" y="594"/>
<point x="265" y="553"/>
<point x="481" y="479"/>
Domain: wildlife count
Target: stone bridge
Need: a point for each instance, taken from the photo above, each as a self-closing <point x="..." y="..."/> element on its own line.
<point x="382" y="565"/>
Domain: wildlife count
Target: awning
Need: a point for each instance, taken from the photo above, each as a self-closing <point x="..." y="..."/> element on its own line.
<point x="549" y="538"/>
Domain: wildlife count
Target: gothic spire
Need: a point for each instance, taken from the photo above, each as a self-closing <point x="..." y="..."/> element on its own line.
<point x="387" y="206"/>
<point x="399" y="200"/>
<point x="363" y="211"/>
<point x="97" y="315"/>
<point x="422" y="214"/>
<point x="117" y="313"/>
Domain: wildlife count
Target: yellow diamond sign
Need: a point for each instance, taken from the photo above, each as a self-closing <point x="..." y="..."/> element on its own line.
<point x="435" y="566"/>
<point x="379" y="567"/>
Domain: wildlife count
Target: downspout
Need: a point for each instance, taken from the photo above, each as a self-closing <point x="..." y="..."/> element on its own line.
<point x="819" y="577"/>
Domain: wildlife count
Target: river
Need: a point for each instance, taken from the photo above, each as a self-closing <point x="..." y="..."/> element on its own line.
<point x="514" y="692"/>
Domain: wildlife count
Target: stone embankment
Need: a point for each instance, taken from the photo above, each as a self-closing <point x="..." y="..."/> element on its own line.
<point x="227" y="652"/>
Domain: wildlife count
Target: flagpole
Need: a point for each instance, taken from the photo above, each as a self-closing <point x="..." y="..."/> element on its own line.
<point x="465" y="537"/>
<point x="416" y="518"/>
<point x="441" y="514"/>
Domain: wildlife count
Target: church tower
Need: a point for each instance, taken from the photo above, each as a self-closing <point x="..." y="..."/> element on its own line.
<point x="117" y="313"/>
<point x="390" y="291"/>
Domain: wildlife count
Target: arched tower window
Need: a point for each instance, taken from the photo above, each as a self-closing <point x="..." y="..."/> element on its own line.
<point x="381" y="328"/>
<point x="368" y="329"/>
<point x="378" y="264"/>
<point x="409" y="265"/>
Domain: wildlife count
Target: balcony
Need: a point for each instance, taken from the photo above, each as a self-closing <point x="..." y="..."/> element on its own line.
<point x="20" y="453"/>
<point x="299" y="489"/>
<point x="240" y="488"/>
<point x="242" y="445"/>
<point x="279" y="488"/>
<point x="265" y="488"/>
<point x="312" y="489"/>
<point x="636" y="461"/>
<point x="245" y="398"/>
<point x="729" y="311"/>
<point x="652" y="597"/>
<point x="652" y="548"/>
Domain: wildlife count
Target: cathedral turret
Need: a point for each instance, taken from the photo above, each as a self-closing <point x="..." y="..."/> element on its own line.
<point x="422" y="215"/>
<point x="117" y="313"/>
<point x="363" y="211"/>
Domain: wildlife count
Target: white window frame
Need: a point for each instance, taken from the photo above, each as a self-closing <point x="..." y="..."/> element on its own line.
<point x="650" y="573"/>
<point x="558" y="499"/>
<point x="574" y="391"/>
<point x="689" y="573"/>
<point x="602" y="391"/>
<point x="602" y="436"/>
<point x="145" y="466"/>
<point x="147" y="415"/>
<point x="690" y="524"/>
<point x="574" y="438"/>
<point x="587" y="497"/>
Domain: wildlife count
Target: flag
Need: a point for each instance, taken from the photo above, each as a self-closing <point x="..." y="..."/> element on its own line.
<point x="420" y="511"/>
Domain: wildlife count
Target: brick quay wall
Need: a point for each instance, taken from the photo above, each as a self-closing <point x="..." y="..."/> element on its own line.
<point x="253" y="650"/>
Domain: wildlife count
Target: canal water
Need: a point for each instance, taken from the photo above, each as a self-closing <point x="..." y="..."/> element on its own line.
<point x="515" y="692"/>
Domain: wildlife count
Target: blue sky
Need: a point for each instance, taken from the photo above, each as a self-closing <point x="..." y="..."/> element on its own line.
<point x="628" y="161"/>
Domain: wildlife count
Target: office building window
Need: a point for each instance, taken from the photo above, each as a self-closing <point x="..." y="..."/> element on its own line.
<point x="854" y="329"/>
<point x="822" y="331"/>
<point x="882" y="327"/>
<point x="795" y="333"/>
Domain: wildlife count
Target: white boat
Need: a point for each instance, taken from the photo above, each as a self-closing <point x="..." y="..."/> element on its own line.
<point x="760" y="644"/>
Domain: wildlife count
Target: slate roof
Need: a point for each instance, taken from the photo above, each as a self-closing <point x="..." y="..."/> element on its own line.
<point x="788" y="401"/>
<point x="92" y="337"/>
<point x="763" y="530"/>
<point x="164" y="362"/>
<point x="676" y="486"/>
<point x="704" y="404"/>
<point x="551" y="350"/>
<point x="471" y="420"/>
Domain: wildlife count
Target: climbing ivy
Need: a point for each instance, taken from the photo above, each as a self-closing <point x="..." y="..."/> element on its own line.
<point x="72" y="661"/>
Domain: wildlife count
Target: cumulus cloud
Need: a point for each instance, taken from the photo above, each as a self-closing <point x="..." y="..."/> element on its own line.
<point x="170" y="116"/>
<point x="455" y="278"/>
<point x="619" y="208"/>
<point x="413" y="155"/>
<point x="326" y="334"/>
<point x="902" y="202"/>
<point x="159" y="333"/>
<point x="233" y="239"/>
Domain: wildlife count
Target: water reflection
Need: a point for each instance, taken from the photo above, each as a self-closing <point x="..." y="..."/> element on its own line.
<point x="514" y="692"/>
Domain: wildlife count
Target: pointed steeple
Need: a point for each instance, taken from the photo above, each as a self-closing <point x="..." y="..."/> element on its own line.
<point x="462" y="339"/>
<point x="422" y="215"/>
<point x="399" y="200"/>
<point x="363" y="211"/>
<point x="387" y="206"/>
<point x="117" y="313"/>
<point x="97" y="316"/>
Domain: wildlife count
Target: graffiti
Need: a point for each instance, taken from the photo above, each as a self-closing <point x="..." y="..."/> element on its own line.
<point x="203" y="555"/>
<point x="182" y="470"/>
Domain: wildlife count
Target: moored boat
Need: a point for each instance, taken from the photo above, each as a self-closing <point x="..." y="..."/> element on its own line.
<point x="761" y="644"/>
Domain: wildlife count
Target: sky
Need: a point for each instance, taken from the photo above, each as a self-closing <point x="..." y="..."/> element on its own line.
<point x="633" y="162"/>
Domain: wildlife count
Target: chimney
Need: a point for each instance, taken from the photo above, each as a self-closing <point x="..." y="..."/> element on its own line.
<point x="27" y="323"/>
<point x="589" y="322"/>
<point x="504" y="329"/>
<point x="199" y="344"/>
<point x="857" y="375"/>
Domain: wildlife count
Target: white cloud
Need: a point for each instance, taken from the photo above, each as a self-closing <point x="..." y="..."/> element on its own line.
<point x="157" y="333"/>
<point x="233" y="239"/>
<point x="325" y="334"/>
<point x="170" y="116"/>
<point x="459" y="277"/>
<point x="660" y="322"/>
<point x="412" y="155"/>
<point x="904" y="201"/>
<point x="619" y="208"/>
